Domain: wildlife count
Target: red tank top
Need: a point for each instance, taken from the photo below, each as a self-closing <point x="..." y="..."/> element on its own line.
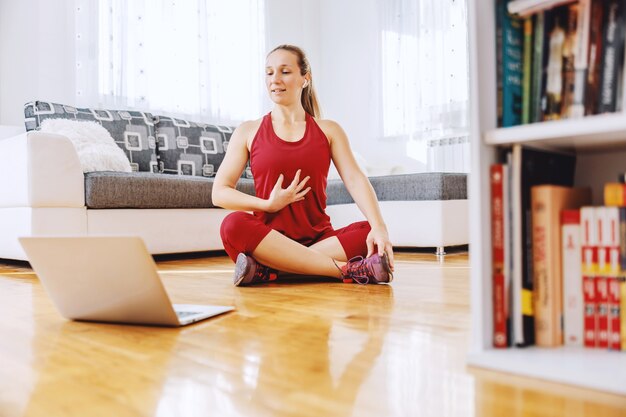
<point x="303" y="221"/>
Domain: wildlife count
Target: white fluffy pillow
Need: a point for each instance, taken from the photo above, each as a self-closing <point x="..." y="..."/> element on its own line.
<point x="97" y="151"/>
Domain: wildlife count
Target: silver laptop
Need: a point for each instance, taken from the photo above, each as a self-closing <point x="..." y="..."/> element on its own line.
<point x="107" y="279"/>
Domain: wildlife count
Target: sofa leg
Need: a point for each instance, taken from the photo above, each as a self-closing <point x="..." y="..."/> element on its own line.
<point x="440" y="251"/>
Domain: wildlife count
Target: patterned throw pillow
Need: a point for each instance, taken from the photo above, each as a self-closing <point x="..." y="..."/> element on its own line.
<point x="133" y="131"/>
<point x="192" y="148"/>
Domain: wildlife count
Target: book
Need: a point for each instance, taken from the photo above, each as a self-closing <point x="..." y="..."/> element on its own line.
<point x="569" y="58"/>
<point x="589" y="245"/>
<point x="525" y="8"/>
<point x="537" y="67"/>
<point x="612" y="55"/>
<point x="527" y="71"/>
<point x="622" y="314"/>
<point x="547" y="202"/>
<point x="529" y="167"/>
<point x="512" y="50"/>
<point x="572" y="278"/>
<point x="554" y="68"/>
<point x="498" y="181"/>
<point x="615" y="194"/>
<point x="615" y="342"/>
<point x="608" y="269"/>
<point x="592" y="89"/>
<point x="602" y="309"/>
<point x="499" y="63"/>
<point x="581" y="56"/>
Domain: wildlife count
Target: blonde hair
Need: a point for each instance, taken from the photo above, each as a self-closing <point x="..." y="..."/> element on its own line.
<point x="308" y="98"/>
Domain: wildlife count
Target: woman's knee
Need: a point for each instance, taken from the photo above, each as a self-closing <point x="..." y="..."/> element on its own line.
<point x="235" y="224"/>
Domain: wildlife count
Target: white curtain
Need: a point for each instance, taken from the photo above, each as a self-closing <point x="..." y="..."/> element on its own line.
<point x="425" y="79"/>
<point x="196" y="59"/>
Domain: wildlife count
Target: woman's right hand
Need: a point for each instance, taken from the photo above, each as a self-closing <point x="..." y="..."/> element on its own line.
<point x="281" y="197"/>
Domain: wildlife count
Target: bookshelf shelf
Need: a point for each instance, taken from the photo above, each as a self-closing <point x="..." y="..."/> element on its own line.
<point x="591" y="132"/>
<point x="594" y="140"/>
<point x="597" y="369"/>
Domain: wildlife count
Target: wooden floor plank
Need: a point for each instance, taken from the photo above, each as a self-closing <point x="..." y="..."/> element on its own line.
<point x="304" y="348"/>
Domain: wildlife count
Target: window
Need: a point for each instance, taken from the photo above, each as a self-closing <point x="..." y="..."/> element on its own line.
<point x="196" y="59"/>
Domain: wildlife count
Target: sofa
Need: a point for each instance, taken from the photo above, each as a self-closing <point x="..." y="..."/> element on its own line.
<point x="166" y="200"/>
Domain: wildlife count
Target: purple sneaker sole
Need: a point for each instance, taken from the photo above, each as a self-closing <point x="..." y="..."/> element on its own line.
<point x="242" y="269"/>
<point x="385" y="263"/>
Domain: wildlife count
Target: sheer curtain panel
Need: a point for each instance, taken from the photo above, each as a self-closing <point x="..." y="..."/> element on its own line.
<point x="199" y="59"/>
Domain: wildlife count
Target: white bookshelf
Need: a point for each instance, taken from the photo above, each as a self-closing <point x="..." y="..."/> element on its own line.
<point x="595" y="139"/>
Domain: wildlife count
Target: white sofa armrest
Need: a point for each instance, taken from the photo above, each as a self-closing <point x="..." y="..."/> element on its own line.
<point x="40" y="169"/>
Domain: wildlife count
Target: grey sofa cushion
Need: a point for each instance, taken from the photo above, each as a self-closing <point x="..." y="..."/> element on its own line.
<point x="192" y="148"/>
<point x="133" y="131"/>
<point x="408" y="187"/>
<point x="117" y="190"/>
<point x="109" y="190"/>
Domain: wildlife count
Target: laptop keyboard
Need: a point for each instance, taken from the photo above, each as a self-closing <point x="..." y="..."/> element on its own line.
<point x="183" y="314"/>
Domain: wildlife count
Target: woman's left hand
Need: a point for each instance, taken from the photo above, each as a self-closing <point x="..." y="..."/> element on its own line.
<point x="380" y="238"/>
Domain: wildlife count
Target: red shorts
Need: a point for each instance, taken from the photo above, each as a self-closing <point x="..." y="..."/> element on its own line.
<point x="242" y="232"/>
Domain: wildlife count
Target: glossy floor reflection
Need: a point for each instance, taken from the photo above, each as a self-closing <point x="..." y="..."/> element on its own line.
<point x="303" y="348"/>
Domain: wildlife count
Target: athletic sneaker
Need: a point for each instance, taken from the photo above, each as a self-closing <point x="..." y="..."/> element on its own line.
<point x="248" y="271"/>
<point x="372" y="270"/>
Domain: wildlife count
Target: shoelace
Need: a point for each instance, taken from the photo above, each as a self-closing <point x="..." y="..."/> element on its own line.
<point x="358" y="270"/>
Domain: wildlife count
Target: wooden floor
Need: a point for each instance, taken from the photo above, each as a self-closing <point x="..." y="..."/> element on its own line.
<point x="294" y="349"/>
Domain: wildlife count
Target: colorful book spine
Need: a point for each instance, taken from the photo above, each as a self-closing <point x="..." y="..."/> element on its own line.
<point x="581" y="58"/>
<point x="499" y="63"/>
<point x="612" y="55"/>
<point x="622" y="314"/>
<point x="615" y="194"/>
<point x="572" y="278"/>
<point x="555" y="63"/>
<point x="497" y="175"/>
<point x="608" y="268"/>
<point x="537" y="68"/>
<point x="527" y="74"/>
<point x="615" y="342"/>
<point x="569" y="57"/>
<point x="512" y="51"/>
<point x="589" y="246"/>
<point x="594" y="74"/>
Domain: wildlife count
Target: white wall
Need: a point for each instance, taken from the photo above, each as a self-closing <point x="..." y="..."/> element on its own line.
<point x="295" y="22"/>
<point x="36" y="55"/>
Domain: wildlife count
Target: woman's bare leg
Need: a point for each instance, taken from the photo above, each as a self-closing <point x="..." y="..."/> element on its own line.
<point x="279" y="252"/>
<point x="331" y="247"/>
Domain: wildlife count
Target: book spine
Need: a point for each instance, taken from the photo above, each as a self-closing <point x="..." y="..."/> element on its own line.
<point x="581" y="57"/>
<point x="497" y="242"/>
<point x="615" y="194"/>
<point x="512" y="45"/>
<point x="612" y="55"/>
<point x="622" y="314"/>
<point x="542" y="288"/>
<point x="554" y="84"/>
<point x="569" y="51"/>
<point x="602" y="307"/>
<point x="500" y="10"/>
<point x="572" y="278"/>
<point x="537" y="68"/>
<point x="589" y="269"/>
<point x="608" y="268"/>
<point x="592" y="90"/>
<point x="589" y="298"/>
<point x="622" y="238"/>
<point x="614" y="313"/>
<point x="527" y="73"/>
